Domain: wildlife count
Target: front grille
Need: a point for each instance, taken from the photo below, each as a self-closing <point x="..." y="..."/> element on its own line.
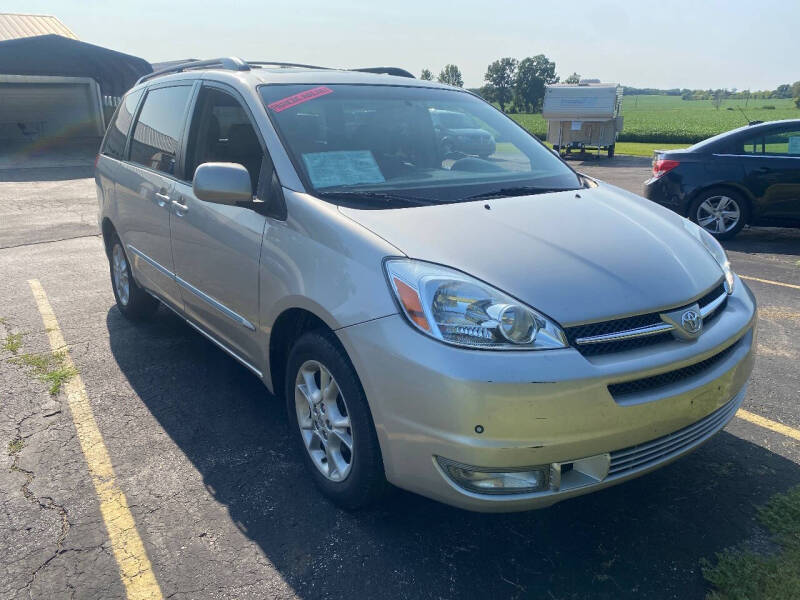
<point x="648" y="384"/>
<point x="635" y="322"/>
<point x="660" y="449"/>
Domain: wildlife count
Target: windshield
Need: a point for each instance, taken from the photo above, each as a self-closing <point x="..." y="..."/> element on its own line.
<point x="377" y="145"/>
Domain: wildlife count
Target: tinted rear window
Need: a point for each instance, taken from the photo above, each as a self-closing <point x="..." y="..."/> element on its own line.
<point x="158" y="130"/>
<point x="114" y="144"/>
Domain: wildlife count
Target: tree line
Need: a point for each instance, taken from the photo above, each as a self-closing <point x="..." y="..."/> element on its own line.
<point x="516" y="84"/>
<point x="783" y="91"/>
<point x="520" y="84"/>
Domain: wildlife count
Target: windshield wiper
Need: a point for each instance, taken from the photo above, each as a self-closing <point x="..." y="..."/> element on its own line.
<point x="523" y="190"/>
<point x="385" y="196"/>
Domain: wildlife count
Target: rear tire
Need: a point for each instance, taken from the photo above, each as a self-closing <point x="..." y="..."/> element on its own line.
<point x="331" y="422"/>
<point x="133" y="302"/>
<point x="720" y="211"/>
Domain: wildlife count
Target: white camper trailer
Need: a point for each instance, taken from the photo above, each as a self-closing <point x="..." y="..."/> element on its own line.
<point x="583" y="116"/>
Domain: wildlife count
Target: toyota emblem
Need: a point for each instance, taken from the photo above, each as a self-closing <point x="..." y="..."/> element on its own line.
<point x="691" y="321"/>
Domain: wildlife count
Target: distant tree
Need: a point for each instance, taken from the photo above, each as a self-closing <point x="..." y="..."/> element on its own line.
<point x="574" y="78"/>
<point x="451" y="75"/>
<point x="426" y="75"/>
<point x="796" y="93"/>
<point x="486" y="92"/>
<point x="500" y="77"/>
<point x="533" y="74"/>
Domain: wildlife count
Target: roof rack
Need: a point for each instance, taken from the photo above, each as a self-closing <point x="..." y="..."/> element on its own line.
<point x="259" y="63"/>
<point x="396" y="71"/>
<point x="230" y="63"/>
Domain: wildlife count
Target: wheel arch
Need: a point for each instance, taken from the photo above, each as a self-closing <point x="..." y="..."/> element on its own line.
<point x="109" y="231"/>
<point x="288" y="327"/>
<point x="740" y="190"/>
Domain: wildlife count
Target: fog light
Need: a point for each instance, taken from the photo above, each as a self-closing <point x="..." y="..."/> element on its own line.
<point x="505" y="480"/>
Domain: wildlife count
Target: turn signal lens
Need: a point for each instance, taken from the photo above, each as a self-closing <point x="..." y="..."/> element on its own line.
<point x="410" y="300"/>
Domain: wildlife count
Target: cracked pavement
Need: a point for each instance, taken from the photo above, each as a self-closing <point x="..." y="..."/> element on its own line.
<point x="220" y="498"/>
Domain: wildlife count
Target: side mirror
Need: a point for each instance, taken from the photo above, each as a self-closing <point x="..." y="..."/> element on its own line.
<point x="222" y="183"/>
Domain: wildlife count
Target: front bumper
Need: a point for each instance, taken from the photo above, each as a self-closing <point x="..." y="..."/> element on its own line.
<point x="554" y="407"/>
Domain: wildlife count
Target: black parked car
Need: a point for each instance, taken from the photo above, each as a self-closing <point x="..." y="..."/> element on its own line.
<point x="458" y="133"/>
<point x="748" y="175"/>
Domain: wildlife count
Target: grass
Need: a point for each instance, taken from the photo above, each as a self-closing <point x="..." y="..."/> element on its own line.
<point x="741" y="574"/>
<point x="671" y="120"/>
<point x="15" y="446"/>
<point x="49" y="368"/>
<point x="13" y="342"/>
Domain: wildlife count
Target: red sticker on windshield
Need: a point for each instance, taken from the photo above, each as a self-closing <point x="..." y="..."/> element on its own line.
<point x="290" y="101"/>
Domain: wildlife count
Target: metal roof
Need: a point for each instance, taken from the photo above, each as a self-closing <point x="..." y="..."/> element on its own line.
<point x="59" y="56"/>
<point x="14" y="26"/>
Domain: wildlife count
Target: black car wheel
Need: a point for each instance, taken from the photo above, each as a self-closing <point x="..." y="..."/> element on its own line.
<point x="721" y="212"/>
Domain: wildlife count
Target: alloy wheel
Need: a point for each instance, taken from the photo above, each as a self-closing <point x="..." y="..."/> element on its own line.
<point x="324" y="420"/>
<point x="718" y="214"/>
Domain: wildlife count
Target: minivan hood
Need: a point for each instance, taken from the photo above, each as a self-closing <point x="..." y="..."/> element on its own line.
<point x="578" y="256"/>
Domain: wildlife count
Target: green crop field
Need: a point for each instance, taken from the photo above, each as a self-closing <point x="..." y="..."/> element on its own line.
<point x="671" y="120"/>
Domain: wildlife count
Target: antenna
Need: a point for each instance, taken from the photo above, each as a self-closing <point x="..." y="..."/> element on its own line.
<point x="746" y="118"/>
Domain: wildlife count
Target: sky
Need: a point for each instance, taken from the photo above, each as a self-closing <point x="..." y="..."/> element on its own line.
<point x="744" y="44"/>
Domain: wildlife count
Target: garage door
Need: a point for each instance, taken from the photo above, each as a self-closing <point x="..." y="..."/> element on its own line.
<point x="54" y="108"/>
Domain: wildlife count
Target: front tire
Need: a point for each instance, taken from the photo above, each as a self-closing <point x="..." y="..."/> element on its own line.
<point x="721" y="212"/>
<point x="133" y="302"/>
<point x="330" y="419"/>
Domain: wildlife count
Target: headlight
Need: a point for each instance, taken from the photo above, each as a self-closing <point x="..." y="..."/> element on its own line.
<point x="715" y="249"/>
<point x="458" y="309"/>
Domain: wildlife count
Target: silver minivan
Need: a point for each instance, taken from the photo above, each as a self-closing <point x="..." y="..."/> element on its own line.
<point x="494" y="331"/>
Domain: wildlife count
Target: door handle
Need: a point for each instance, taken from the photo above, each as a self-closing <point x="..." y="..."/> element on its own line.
<point x="162" y="198"/>
<point x="763" y="170"/>
<point x="180" y="209"/>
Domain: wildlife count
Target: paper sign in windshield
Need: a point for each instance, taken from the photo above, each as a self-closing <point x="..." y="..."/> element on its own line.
<point x="290" y="101"/>
<point x="329" y="169"/>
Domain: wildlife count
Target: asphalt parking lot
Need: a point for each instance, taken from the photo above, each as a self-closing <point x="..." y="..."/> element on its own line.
<point x="220" y="500"/>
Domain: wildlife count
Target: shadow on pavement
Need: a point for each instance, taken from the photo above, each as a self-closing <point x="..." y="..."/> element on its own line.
<point x="641" y="539"/>
<point x="766" y="240"/>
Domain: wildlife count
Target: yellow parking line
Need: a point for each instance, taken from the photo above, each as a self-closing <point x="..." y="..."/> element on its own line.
<point x="769" y="281"/>
<point x="134" y="566"/>
<point x="768" y="424"/>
